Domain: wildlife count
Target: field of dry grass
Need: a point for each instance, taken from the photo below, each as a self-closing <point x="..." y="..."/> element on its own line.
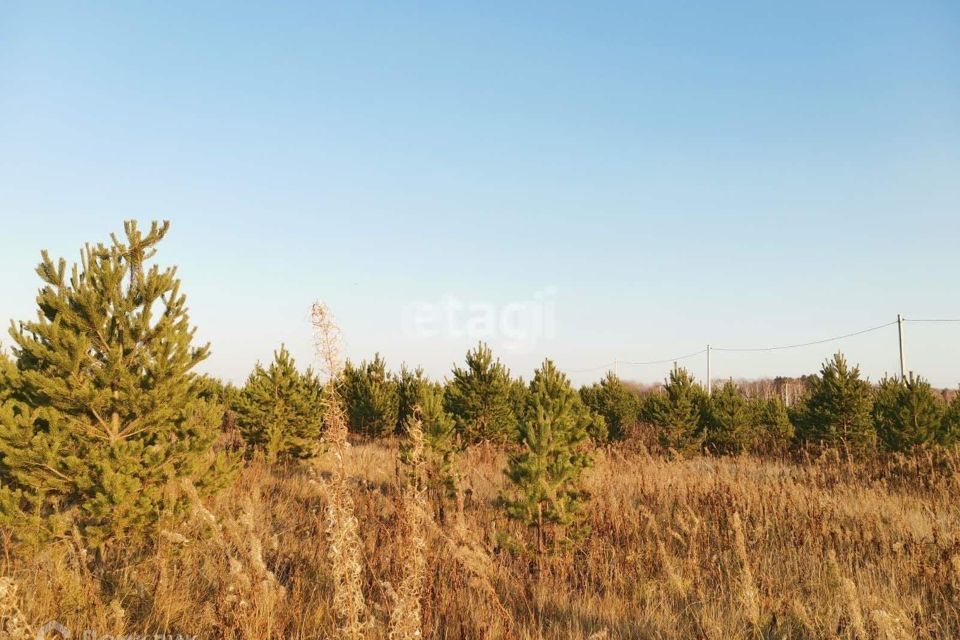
<point x="687" y="548"/>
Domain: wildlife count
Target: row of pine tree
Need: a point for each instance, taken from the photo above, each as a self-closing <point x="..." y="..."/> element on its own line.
<point x="279" y="408"/>
<point x="108" y="434"/>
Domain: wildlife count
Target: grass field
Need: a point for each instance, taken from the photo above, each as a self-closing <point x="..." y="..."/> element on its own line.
<point x="687" y="548"/>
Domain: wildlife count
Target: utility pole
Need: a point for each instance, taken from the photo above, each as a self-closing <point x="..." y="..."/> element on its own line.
<point x="903" y="366"/>
<point x="709" y="383"/>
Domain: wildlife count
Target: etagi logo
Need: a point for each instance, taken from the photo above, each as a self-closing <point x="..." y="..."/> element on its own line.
<point x="519" y="325"/>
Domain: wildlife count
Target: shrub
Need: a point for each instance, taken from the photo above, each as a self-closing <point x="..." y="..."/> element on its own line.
<point x="837" y="408"/>
<point x="280" y="410"/>
<point x="107" y="414"/>
<point x="481" y="397"/>
<point x="371" y="398"/>
<point x="906" y="413"/>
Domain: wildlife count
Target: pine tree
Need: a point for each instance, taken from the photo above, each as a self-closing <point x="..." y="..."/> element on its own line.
<point x="773" y="431"/>
<point x="519" y="397"/>
<point x="421" y="400"/>
<point x="7" y="372"/>
<point x="546" y="474"/>
<point x="441" y="443"/>
<point x="371" y="397"/>
<point x="729" y="420"/>
<point x="107" y="416"/>
<point x="906" y="413"/>
<point x="615" y="402"/>
<point x="676" y="412"/>
<point x="413" y="387"/>
<point x="949" y="433"/>
<point x="480" y="399"/>
<point x="280" y="410"/>
<point x="837" y="408"/>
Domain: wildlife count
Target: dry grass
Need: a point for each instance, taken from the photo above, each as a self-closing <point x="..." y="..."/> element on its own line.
<point x="698" y="548"/>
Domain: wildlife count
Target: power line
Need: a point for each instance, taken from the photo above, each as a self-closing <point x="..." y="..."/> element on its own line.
<point x="665" y="360"/>
<point x="612" y="365"/>
<point x="609" y="365"/>
<point x="807" y="344"/>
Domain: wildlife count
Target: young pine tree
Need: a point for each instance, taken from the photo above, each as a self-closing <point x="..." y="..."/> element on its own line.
<point x="414" y="389"/>
<point x="7" y="373"/>
<point x="949" y="433"/>
<point x="279" y="411"/>
<point x="107" y="416"/>
<point x="546" y="474"/>
<point x="519" y="396"/>
<point x="906" y="413"/>
<point x="676" y="412"/>
<point x="441" y="443"/>
<point x="371" y="397"/>
<point x="421" y="402"/>
<point x="729" y="420"/>
<point x="612" y="399"/>
<point x="480" y="399"/>
<point x="837" y="408"/>
<point x="773" y="431"/>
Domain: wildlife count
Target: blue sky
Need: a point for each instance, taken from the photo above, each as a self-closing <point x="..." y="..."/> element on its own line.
<point x="679" y="173"/>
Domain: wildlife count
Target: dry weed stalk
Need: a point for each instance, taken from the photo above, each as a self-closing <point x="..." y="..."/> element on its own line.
<point x="252" y="584"/>
<point x="848" y="590"/>
<point x="405" y="616"/>
<point x="888" y="627"/>
<point x="678" y="586"/>
<point x="748" y="588"/>
<point x="13" y="624"/>
<point x="342" y="527"/>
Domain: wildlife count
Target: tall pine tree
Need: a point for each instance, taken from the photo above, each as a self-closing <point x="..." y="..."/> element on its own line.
<point x="546" y="491"/>
<point x="480" y="397"/>
<point x="107" y="416"/>
<point x="280" y="410"/>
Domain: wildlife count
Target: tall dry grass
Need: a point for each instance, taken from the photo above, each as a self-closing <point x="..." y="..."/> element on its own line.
<point x="695" y="548"/>
<point x="361" y="544"/>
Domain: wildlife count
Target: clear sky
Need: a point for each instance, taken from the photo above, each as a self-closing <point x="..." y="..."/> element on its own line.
<point x="661" y="175"/>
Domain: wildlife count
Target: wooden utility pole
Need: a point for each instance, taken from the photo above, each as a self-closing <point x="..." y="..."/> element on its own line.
<point x="903" y="366"/>
<point x="709" y="383"/>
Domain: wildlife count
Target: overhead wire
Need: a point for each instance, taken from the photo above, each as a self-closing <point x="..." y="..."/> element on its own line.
<point x="807" y="344"/>
<point x="615" y="363"/>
